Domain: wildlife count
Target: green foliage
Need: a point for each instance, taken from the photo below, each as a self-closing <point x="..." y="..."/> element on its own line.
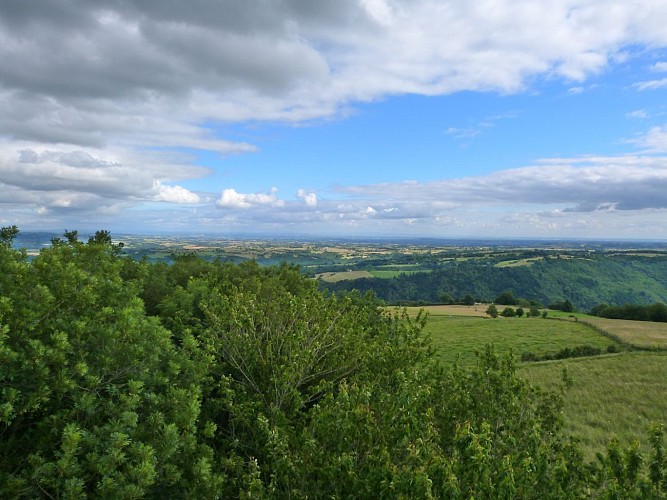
<point x="468" y="300"/>
<point x="635" y="312"/>
<point x="503" y="435"/>
<point x="508" y="312"/>
<point x="562" y="305"/>
<point x="505" y="299"/>
<point x="212" y="380"/>
<point x="620" y="472"/>
<point x="604" y="278"/>
<point x="289" y="348"/>
<point x="567" y="352"/>
<point x="492" y="311"/>
<point x="95" y="397"/>
<point x="8" y="234"/>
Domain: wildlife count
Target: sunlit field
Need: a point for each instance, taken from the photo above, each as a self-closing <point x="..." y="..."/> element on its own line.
<point x="458" y="337"/>
<point x="611" y="395"/>
<point x="638" y="333"/>
<point x="343" y="275"/>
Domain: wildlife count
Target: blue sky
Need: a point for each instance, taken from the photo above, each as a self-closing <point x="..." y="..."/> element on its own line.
<point x="391" y="118"/>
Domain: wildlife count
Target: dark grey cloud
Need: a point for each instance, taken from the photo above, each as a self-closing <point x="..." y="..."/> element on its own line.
<point x="75" y="48"/>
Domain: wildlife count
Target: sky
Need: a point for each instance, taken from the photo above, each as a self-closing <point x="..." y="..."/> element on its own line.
<point x="346" y="118"/>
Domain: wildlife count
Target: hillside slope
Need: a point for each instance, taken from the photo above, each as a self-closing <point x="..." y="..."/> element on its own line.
<point x="585" y="282"/>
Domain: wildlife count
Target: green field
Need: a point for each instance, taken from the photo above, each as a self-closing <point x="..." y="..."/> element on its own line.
<point x="611" y="395"/>
<point x="457" y="336"/>
<point x="519" y="262"/>
<point x="343" y="275"/>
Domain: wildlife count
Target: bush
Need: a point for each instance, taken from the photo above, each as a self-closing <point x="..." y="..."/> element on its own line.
<point x="567" y="352"/>
<point x="508" y="312"/>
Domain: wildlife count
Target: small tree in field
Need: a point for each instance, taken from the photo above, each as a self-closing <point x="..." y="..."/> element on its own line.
<point x="508" y="312"/>
<point x="519" y="312"/>
<point x="492" y="311"/>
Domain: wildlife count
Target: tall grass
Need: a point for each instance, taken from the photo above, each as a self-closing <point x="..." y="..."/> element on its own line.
<point x="611" y="395"/>
<point x="638" y="334"/>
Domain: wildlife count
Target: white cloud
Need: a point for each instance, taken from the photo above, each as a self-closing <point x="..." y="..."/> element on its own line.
<point x="651" y="84"/>
<point x="638" y="113"/>
<point x="659" y="67"/>
<point x="175" y="194"/>
<point x="79" y="180"/>
<point x="655" y="140"/>
<point x="309" y="198"/>
<point x="464" y="133"/>
<point x="230" y="198"/>
<point x="380" y="11"/>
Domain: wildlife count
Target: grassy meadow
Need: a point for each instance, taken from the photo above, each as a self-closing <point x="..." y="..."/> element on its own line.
<point x="611" y="395"/>
<point x="616" y="394"/>
<point x="458" y="331"/>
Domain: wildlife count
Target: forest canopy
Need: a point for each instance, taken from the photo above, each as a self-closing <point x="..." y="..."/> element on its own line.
<point x="125" y="379"/>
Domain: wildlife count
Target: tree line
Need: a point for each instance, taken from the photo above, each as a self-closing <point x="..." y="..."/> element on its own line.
<point x="585" y="283"/>
<point x="636" y="312"/>
<point x="124" y="379"/>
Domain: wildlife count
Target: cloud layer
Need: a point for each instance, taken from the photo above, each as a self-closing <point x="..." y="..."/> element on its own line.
<point x="102" y="103"/>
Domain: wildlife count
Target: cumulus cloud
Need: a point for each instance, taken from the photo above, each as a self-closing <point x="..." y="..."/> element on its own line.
<point x="309" y="198"/>
<point x="175" y="194"/>
<point x="232" y="199"/>
<point x="80" y="180"/>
